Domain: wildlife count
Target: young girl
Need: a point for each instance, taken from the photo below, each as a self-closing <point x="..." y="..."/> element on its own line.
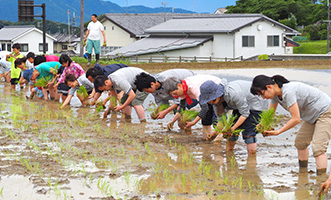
<point x="235" y="96"/>
<point x="74" y="85"/>
<point x="303" y="102"/>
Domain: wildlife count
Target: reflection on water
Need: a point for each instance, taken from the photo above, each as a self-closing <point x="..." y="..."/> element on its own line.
<point x="47" y="153"/>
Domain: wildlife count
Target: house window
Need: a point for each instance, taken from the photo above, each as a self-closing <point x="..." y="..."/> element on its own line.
<point x="8" y="47"/>
<point x="273" y="41"/>
<point x="112" y="28"/>
<point x="3" y="47"/>
<point x="104" y="28"/>
<point x="41" y="47"/>
<point x="64" y="47"/>
<point x="24" y="48"/>
<point x="248" y="41"/>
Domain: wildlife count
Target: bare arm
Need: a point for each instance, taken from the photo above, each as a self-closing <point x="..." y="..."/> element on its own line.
<point x="87" y="33"/>
<point x="162" y="114"/>
<point x="130" y="98"/>
<point x="104" y="36"/>
<point x="67" y="101"/>
<point x="295" y="119"/>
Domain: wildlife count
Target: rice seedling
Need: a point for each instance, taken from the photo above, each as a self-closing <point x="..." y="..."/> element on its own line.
<point x="113" y="101"/>
<point x="54" y="70"/>
<point x="82" y="91"/>
<point x="186" y="116"/>
<point x="99" y="108"/>
<point x="43" y="81"/>
<point x="267" y="121"/>
<point x="160" y="108"/>
<point x="224" y="125"/>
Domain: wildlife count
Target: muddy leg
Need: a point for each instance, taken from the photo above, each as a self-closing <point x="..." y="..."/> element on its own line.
<point x="230" y="145"/>
<point x="206" y="131"/>
<point x="251" y="148"/>
<point x="321" y="163"/>
<point x="127" y="112"/>
<point x="303" y="159"/>
<point x="140" y="112"/>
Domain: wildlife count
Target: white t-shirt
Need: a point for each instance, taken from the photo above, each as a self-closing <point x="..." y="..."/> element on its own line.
<point x="94" y="29"/>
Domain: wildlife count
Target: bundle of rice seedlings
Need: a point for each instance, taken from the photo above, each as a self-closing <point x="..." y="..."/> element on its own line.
<point x="113" y="101"/>
<point x="82" y="91"/>
<point x="54" y="70"/>
<point x="186" y="116"/>
<point x="160" y="108"/>
<point x="267" y="121"/>
<point x="99" y="108"/>
<point x="224" y="126"/>
<point x="43" y="81"/>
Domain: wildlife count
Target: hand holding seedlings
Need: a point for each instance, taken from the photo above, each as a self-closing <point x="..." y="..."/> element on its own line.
<point x="324" y="188"/>
<point x="170" y="126"/>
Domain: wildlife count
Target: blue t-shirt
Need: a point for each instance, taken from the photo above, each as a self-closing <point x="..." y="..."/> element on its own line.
<point x="44" y="68"/>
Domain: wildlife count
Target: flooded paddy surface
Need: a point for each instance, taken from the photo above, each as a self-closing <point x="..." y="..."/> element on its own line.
<point x="48" y="153"/>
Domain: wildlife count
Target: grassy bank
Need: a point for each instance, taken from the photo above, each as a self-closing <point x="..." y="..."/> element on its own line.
<point x="311" y="47"/>
<point x="300" y="64"/>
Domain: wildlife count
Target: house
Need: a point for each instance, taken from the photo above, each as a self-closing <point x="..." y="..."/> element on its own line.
<point x="65" y="43"/>
<point x="29" y="37"/>
<point x="218" y="36"/>
<point x="123" y="29"/>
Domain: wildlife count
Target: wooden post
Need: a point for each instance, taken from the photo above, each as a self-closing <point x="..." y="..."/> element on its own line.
<point x="150" y="59"/>
<point x="226" y="59"/>
<point x="195" y="58"/>
<point x="136" y="58"/>
<point x="210" y="59"/>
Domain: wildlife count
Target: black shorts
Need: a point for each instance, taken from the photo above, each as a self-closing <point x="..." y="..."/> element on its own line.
<point x="14" y="81"/>
<point x="63" y="89"/>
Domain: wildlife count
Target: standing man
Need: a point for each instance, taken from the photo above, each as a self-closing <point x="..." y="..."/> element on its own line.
<point x="93" y="38"/>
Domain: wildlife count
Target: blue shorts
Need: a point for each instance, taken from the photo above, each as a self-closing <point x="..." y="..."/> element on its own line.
<point x="39" y="92"/>
<point x="249" y="125"/>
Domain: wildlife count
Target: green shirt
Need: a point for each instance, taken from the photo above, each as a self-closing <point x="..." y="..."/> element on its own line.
<point x="15" y="72"/>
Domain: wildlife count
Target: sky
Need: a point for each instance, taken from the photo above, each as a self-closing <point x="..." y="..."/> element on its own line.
<point x="200" y="6"/>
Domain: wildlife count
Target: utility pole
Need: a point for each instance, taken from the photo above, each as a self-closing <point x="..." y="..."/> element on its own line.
<point x="68" y="26"/>
<point x="328" y="29"/>
<point x="81" y="28"/>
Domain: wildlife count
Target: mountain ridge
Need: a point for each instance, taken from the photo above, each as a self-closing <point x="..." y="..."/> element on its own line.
<point x="57" y="10"/>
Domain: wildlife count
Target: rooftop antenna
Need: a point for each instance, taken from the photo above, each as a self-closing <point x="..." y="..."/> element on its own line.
<point x="164" y="4"/>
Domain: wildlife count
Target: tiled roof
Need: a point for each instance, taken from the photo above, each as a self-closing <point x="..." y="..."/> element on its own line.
<point x="136" y="24"/>
<point x="226" y="23"/>
<point x="9" y="33"/>
<point x="60" y="37"/>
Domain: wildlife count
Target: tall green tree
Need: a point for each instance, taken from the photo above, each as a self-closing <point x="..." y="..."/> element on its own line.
<point x="278" y="10"/>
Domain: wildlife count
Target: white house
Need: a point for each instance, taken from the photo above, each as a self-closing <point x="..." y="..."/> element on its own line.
<point x="123" y="29"/>
<point x="29" y="37"/>
<point x="218" y="36"/>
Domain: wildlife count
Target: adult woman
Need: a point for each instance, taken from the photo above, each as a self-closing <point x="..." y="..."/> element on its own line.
<point x="303" y="102"/>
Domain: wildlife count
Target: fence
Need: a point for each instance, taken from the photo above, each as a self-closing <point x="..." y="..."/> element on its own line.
<point x="178" y="59"/>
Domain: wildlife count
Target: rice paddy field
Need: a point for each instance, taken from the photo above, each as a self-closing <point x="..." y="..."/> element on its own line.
<point x="73" y="153"/>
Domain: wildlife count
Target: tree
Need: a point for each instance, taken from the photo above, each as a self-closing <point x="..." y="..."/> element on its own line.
<point x="290" y="22"/>
<point x="281" y="9"/>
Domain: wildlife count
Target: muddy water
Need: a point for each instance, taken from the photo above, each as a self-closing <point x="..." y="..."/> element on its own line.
<point x="47" y="153"/>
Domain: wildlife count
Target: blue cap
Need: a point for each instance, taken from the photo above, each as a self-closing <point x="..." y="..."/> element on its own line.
<point x="209" y="91"/>
<point x="27" y="74"/>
